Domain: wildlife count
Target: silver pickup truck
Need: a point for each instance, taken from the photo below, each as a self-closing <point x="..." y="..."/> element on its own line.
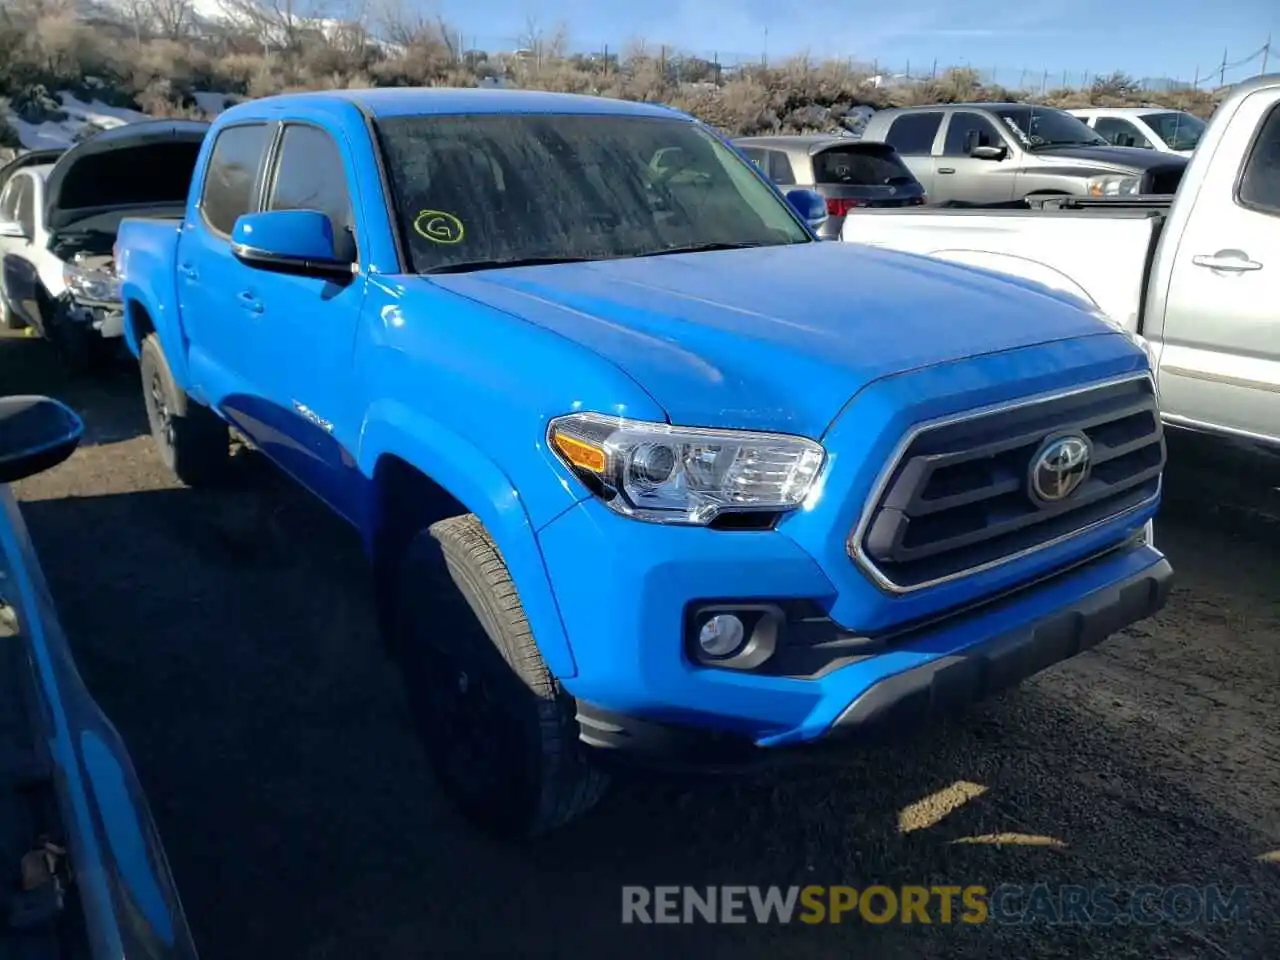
<point x="1197" y="276"/>
<point x="971" y="153"/>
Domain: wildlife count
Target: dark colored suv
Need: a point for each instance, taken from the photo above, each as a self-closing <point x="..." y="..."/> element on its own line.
<point x="849" y="173"/>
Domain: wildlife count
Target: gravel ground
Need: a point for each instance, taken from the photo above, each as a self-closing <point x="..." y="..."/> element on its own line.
<point x="230" y="637"/>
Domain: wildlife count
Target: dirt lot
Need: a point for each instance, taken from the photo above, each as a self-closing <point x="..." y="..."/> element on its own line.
<point x="230" y="638"/>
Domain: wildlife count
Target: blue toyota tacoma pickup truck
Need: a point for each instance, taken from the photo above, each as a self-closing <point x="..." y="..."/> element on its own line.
<point x="645" y="471"/>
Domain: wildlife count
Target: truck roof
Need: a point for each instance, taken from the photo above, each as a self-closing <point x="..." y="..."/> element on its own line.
<point x="1122" y="111"/>
<point x="1246" y="87"/>
<point x="987" y="105"/>
<point x="805" y="142"/>
<point x="416" y="101"/>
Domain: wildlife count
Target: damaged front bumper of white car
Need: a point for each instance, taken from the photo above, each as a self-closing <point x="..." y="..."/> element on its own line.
<point x="93" y="294"/>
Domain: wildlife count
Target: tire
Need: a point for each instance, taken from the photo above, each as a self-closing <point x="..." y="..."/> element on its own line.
<point x="497" y="727"/>
<point x="77" y="346"/>
<point x="191" y="440"/>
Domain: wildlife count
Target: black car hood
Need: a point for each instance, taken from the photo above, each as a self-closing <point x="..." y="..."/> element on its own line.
<point x="138" y="164"/>
<point x="1134" y="158"/>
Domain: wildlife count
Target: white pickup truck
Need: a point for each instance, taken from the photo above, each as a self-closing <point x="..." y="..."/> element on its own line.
<point x="1196" y="275"/>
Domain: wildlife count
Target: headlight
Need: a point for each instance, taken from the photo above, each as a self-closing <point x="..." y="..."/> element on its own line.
<point x="1137" y="339"/>
<point x="1115" y="186"/>
<point x="666" y="474"/>
<point x="85" y="283"/>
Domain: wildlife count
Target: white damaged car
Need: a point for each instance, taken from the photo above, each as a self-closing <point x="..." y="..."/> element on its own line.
<point x="58" y="226"/>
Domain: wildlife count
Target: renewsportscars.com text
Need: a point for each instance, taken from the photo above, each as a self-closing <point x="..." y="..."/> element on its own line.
<point x="1101" y="905"/>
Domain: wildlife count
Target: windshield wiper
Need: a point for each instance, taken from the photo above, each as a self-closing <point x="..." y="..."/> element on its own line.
<point x="469" y="265"/>
<point x="705" y="247"/>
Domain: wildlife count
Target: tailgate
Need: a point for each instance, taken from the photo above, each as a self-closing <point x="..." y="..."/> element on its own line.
<point x="1100" y="258"/>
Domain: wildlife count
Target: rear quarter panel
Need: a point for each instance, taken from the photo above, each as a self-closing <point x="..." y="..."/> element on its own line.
<point x="146" y="260"/>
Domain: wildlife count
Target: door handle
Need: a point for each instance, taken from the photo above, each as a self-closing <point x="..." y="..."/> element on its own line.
<point x="250" y="302"/>
<point x="1223" y="260"/>
<point x="946" y="169"/>
<point x="187" y="270"/>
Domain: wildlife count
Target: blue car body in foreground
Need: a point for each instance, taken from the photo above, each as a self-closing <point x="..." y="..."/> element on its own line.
<point x="121" y="882"/>
<point x="880" y="593"/>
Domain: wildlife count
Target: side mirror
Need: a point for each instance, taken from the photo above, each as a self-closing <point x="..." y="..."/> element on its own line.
<point x="12" y="229"/>
<point x="36" y="433"/>
<point x="812" y="206"/>
<point x="299" y="242"/>
<point x="989" y="153"/>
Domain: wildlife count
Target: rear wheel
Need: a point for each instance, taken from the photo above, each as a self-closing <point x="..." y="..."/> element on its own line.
<point x="497" y="728"/>
<point x="191" y="440"/>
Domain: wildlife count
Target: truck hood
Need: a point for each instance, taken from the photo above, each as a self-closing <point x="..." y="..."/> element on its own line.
<point x="135" y="166"/>
<point x="1116" y="158"/>
<point x="776" y="338"/>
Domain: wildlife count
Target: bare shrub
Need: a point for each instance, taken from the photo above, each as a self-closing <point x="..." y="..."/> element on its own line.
<point x="8" y="133"/>
<point x="160" y="53"/>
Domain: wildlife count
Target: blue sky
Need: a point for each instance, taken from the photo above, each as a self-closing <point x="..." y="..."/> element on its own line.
<point x="1142" y="37"/>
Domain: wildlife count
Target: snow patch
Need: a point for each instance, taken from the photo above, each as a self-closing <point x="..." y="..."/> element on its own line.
<point x="212" y="104"/>
<point x="82" y="120"/>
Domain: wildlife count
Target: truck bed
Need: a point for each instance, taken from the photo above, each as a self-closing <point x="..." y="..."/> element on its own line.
<point x="1100" y="250"/>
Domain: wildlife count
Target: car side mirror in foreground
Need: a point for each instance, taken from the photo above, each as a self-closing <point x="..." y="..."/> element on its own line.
<point x="811" y="205"/>
<point x="289" y="241"/>
<point x="36" y="433"/>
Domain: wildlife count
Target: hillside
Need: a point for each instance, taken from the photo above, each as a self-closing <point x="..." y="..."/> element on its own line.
<point x="67" y="66"/>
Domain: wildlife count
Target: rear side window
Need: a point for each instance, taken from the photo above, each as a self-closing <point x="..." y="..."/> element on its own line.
<point x="772" y="163"/>
<point x="1260" y="184"/>
<point x="1121" y="132"/>
<point x="860" y="166"/>
<point x="758" y="157"/>
<point x="27" y="207"/>
<point x="311" y="176"/>
<point x="780" y="168"/>
<point x="912" y="134"/>
<point x="967" y="130"/>
<point x="233" y="171"/>
<point x="9" y="201"/>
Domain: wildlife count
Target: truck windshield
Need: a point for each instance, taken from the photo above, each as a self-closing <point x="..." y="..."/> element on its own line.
<point x="1046" y="127"/>
<point x="1179" y="131"/>
<point x="495" y="190"/>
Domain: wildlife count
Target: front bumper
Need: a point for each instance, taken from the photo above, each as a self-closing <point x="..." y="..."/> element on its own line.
<point x="1003" y="660"/>
<point x="640" y="692"/>
<point x="903" y="701"/>
<point x="104" y="317"/>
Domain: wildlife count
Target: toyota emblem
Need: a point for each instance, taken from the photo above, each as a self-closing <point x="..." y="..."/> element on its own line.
<point x="1059" y="467"/>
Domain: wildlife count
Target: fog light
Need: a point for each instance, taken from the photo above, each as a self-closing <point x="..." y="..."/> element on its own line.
<point x="722" y="635"/>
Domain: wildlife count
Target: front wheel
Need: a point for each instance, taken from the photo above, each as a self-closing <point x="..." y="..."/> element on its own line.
<point x="499" y="731"/>
<point x="191" y="440"/>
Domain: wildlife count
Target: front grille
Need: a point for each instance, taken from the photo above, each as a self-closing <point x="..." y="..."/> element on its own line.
<point x="1163" y="181"/>
<point x="959" y="497"/>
